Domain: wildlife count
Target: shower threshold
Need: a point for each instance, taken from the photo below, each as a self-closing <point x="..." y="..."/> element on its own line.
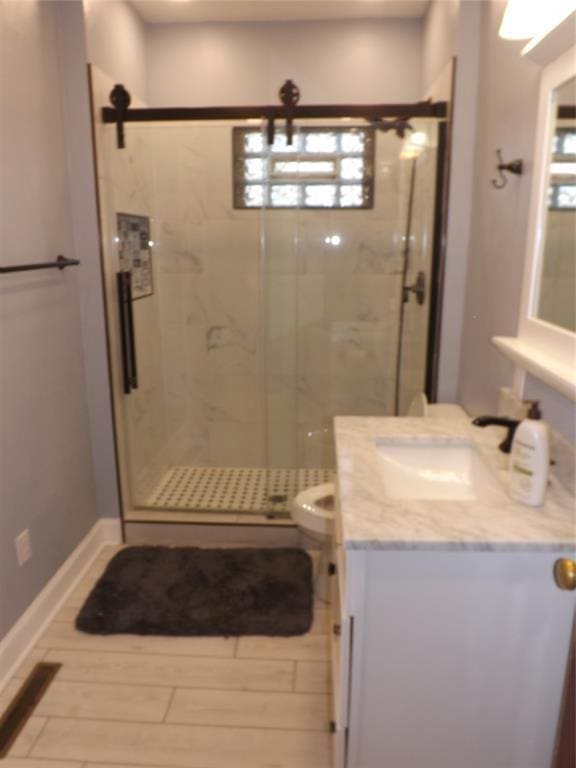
<point x="241" y="491"/>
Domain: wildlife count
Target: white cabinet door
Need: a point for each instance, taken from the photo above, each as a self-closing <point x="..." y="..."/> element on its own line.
<point x="459" y="661"/>
<point x="341" y="644"/>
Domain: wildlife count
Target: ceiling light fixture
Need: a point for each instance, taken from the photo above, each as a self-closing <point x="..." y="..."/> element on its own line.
<point x="525" y="19"/>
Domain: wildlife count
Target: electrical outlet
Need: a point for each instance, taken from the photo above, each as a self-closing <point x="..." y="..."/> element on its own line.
<point x="23" y="547"/>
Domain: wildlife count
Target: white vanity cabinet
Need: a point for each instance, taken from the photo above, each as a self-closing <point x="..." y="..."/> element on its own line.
<point x="447" y="659"/>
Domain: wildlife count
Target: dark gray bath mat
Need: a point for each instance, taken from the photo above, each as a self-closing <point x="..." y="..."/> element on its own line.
<point x="185" y="591"/>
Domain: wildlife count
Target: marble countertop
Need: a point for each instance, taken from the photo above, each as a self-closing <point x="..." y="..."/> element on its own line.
<point x="370" y="520"/>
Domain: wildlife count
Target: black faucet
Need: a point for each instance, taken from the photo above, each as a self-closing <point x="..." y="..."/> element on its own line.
<point x="499" y="421"/>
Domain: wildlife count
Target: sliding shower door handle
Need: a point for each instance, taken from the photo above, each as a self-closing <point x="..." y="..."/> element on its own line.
<point x="127" y="342"/>
<point x="418" y="289"/>
<point x="132" y="335"/>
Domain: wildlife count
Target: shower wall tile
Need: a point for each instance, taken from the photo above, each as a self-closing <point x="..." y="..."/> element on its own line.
<point x="364" y="397"/>
<point x="314" y="396"/>
<point x="281" y="394"/>
<point x="360" y="349"/>
<point x="194" y="452"/>
<point x="281" y="421"/>
<point x="222" y="317"/>
<point x="233" y="303"/>
<point x="211" y="287"/>
<point x="371" y="246"/>
<point x="316" y="448"/>
<point x="321" y="397"/>
<point x="281" y="317"/>
<point x="282" y="299"/>
<point x="235" y="399"/>
<point x="282" y="447"/>
<point x="231" y="349"/>
<point x="236" y="445"/>
<point x="365" y="298"/>
<point x="281" y="241"/>
<point x="312" y="299"/>
<point x="232" y="248"/>
<point x="282" y="357"/>
<point x="351" y="348"/>
<point x="314" y="343"/>
<point x="180" y="250"/>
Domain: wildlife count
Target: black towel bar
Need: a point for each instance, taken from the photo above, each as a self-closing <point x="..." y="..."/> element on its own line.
<point x="61" y="263"/>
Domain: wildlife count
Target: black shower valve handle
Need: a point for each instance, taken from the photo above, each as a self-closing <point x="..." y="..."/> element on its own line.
<point x="499" y="421"/>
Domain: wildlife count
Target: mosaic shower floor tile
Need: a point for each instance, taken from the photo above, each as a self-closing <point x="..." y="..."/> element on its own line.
<point x="233" y="489"/>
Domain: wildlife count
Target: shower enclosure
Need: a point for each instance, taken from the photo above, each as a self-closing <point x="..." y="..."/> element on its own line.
<point x="256" y="290"/>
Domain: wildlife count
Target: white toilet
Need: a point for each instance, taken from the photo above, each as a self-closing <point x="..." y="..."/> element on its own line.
<point x="313" y="512"/>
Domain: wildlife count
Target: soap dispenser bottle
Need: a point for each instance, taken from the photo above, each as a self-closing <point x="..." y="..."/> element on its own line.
<point x="530" y="459"/>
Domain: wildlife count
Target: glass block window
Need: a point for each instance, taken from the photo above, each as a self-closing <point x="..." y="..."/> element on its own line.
<point x="564" y="144"/>
<point x="562" y="189"/>
<point x="562" y="197"/>
<point x="322" y="168"/>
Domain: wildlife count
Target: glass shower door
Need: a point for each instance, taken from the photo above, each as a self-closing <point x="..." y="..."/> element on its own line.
<point x="333" y="270"/>
<point x="191" y="433"/>
<point x="272" y="304"/>
<point x="419" y="156"/>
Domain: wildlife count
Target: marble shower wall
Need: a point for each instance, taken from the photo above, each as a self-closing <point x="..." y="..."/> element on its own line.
<point x="259" y="331"/>
<point x="210" y="297"/>
<point x="268" y="331"/>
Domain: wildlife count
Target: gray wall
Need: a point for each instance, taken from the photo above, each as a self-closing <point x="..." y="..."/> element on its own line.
<point x="46" y="475"/>
<point x="116" y="40"/>
<point x="448" y="34"/>
<point x="85" y="228"/>
<point x="508" y="97"/>
<point x="208" y="64"/>
<point x="350" y="61"/>
<point x="439" y="40"/>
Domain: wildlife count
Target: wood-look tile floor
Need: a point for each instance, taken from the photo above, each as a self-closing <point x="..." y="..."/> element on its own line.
<point x="154" y="702"/>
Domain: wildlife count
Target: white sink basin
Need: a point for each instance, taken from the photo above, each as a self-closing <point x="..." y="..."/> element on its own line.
<point x="433" y="470"/>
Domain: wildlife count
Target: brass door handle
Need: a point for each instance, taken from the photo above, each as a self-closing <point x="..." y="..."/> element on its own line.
<point x="565" y="573"/>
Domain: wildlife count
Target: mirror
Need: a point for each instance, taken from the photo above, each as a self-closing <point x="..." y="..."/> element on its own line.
<point x="556" y="303"/>
<point x="545" y="345"/>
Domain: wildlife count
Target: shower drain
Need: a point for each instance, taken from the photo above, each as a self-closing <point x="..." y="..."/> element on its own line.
<point x="278" y="498"/>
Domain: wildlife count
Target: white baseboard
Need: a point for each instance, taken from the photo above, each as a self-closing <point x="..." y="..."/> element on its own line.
<point x="16" y="645"/>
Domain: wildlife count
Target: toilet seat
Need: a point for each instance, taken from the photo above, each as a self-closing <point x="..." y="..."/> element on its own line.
<point x="309" y="513"/>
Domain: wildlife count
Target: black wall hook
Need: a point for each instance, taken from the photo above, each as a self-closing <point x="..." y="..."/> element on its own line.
<point x="516" y="167"/>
